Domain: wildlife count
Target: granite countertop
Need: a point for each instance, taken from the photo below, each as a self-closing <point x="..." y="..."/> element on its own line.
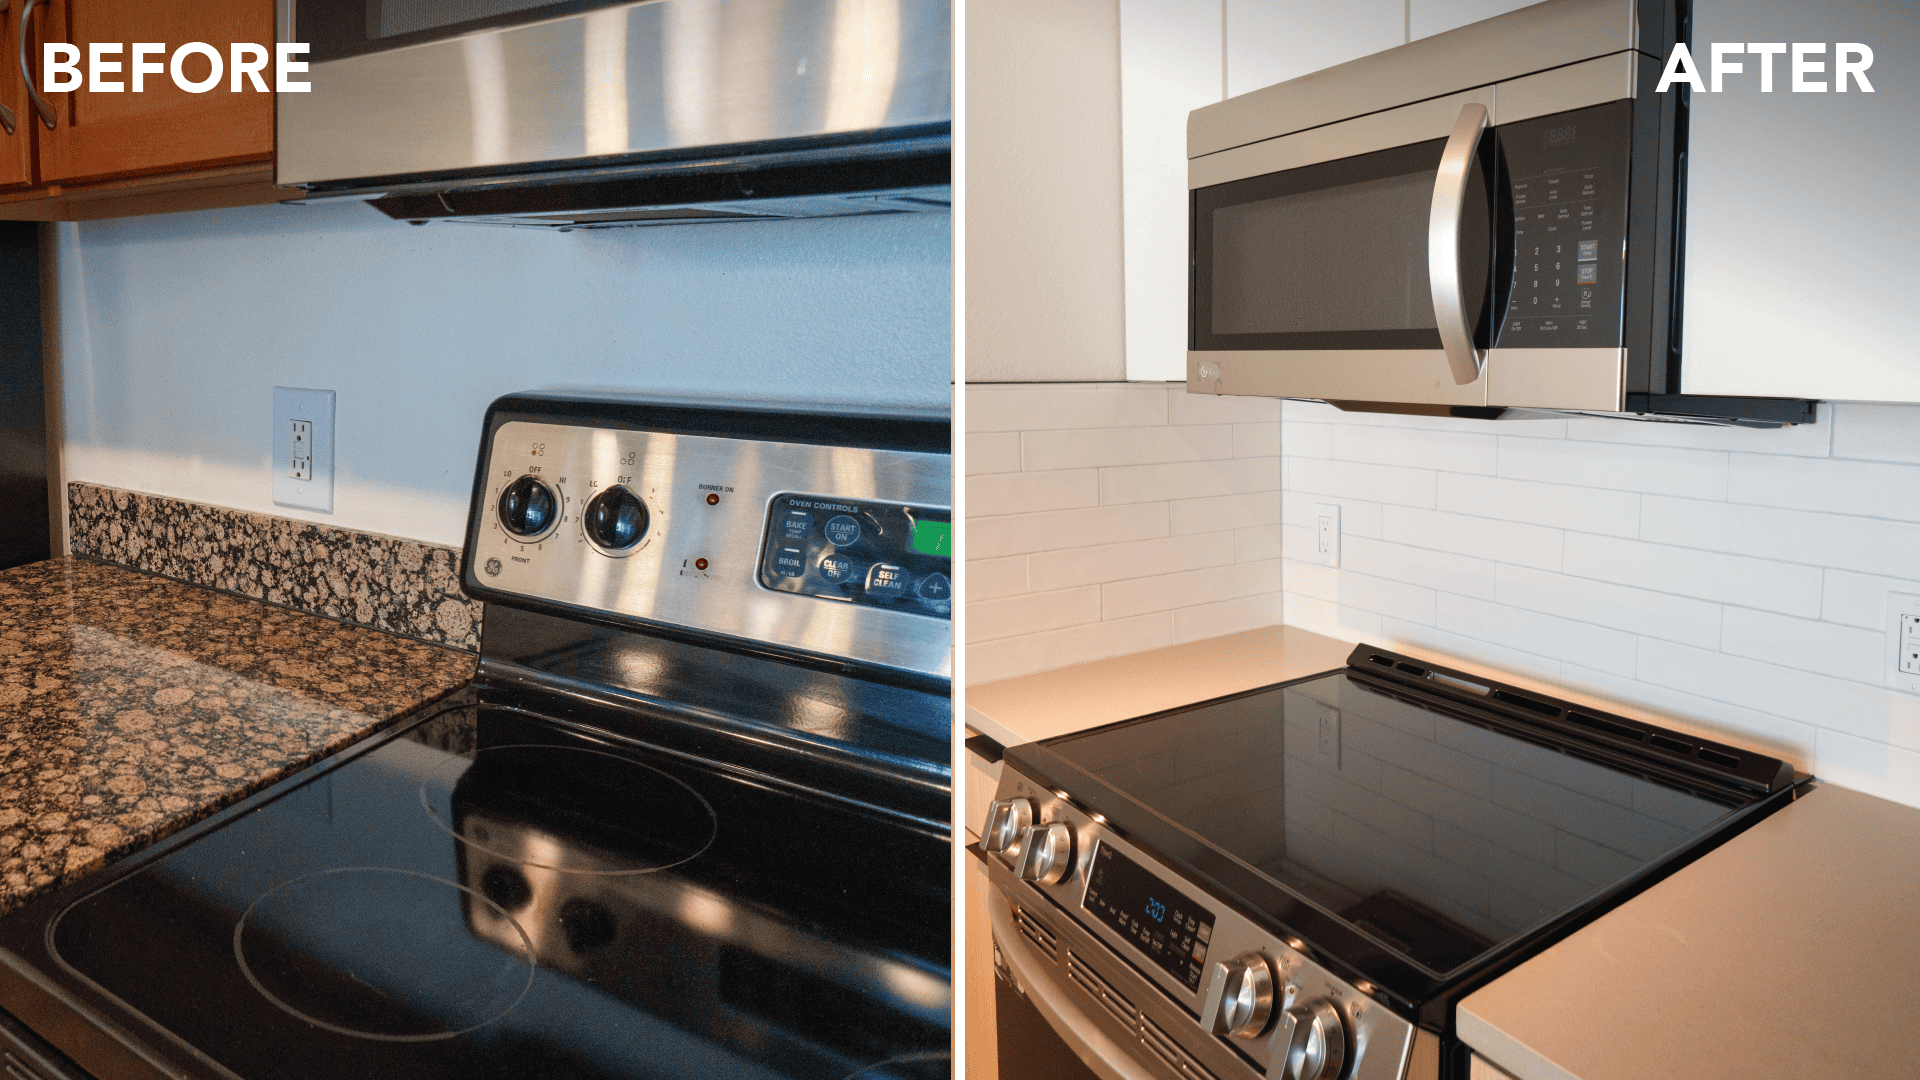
<point x="132" y="706"/>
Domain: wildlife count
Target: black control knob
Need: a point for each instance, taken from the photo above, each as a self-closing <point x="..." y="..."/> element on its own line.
<point x="528" y="507"/>
<point x="615" y="519"/>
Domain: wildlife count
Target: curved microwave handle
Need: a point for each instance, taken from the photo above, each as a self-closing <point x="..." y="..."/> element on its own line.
<point x="1443" y="244"/>
<point x="26" y="74"/>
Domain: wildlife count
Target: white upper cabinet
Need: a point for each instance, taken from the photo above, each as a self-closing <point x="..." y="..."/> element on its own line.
<point x="1801" y="241"/>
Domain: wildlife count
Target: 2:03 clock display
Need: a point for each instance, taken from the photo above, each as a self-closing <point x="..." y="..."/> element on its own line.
<point x="1170" y="929"/>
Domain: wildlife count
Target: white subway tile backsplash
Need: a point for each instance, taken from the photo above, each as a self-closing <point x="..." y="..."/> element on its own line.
<point x="1560" y="506"/>
<point x="1225" y="512"/>
<point x="1699" y="474"/>
<point x="1094" y="447"/>
<point x="1869" y="766"/>
<point x="1439" y="570"/>
<point x="1257" y="440"/>
<point x="1475" y="651"/>
<point x="1042" y="651"/>
<point x="993" y="452"/>
<point x="1862" y="488"/>
<point x="1806" y="440"/>
<point x="1622" y="607"/>
<point x="1448" y="451"/>
<point x="1480" y="537"/>
<point x="1707" y="575"/>
<point x="1358" y="480"/>
<point x="1323" y="617"/>
<point x="1848" y="543"/>
<point x="1357" y="517"/>
<point x="1029" y="612"/>
<point x="1562" y="639"/>
<point x="989" y="537"/>
<point x="990" y="579"/>
<point x="1870" y="712"/>
<point x="1025" y="493"/>
<point x="1876" y="432"/>
<point x="1382" y="596"/>
<point x="1130" y="516"/>
<point x="1118" y="562"/>
<point x="1185" y="588"/>
<point x="1845" y="652"/>
<point x="1308" y="440"/>
<point x="1861" y="599"/>
<point x="1185" y="408"/>
<point x="1188" y="480"/>
<point x="1047" y="406"/>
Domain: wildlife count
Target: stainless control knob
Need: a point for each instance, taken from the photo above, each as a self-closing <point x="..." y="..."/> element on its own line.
<point x="1046" y="853"/>
<point x="1317" y="1043"/>
<point x="1246" y="996"/>
<point x="1006" y="820"/>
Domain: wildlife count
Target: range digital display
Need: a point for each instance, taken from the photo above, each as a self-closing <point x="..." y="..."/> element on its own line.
<point x="1172" y="930"/>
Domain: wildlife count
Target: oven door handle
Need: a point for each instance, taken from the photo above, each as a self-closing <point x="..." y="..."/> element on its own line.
<point x="1443" y="244"/>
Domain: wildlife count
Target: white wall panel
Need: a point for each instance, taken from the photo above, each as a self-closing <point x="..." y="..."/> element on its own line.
<point x="1271" y="41"/>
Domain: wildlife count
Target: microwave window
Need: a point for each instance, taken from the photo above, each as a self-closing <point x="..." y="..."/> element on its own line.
<point x="1347" y="258"/>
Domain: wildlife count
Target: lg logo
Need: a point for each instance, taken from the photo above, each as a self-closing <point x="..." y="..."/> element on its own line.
<point x="1850" y="62"/>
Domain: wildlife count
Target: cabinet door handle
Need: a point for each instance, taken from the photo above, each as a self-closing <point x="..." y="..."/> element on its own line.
<point x="39" y="103"/>
<point x="1443" y="244"/>
<point x="6" y="114"/>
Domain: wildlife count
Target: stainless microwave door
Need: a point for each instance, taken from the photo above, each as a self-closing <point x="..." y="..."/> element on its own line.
<point x="1311" y="258"/>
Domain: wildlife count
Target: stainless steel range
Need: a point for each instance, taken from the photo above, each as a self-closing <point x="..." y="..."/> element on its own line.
<point x="1302" y="880"/>
<point x="689" y="820"/>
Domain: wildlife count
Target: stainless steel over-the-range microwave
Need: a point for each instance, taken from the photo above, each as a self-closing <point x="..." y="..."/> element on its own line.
<point x="1487" y="219"/>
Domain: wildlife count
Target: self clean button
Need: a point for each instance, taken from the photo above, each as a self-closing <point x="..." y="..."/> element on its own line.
<point x="843" y="531"/>
<point x="886" y="579"/>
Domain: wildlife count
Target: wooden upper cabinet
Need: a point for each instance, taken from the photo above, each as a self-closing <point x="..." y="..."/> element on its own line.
<point x="16" y="149"/>
<point x="162" y="129"/>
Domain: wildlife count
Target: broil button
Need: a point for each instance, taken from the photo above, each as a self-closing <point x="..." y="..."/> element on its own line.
<point x="790" y="562"/>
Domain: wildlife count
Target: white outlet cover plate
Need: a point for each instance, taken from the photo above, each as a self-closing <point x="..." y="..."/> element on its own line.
<point x="290" y="404"/>
<point x="1898" y="605"/>
<point x="1326" y="534"/>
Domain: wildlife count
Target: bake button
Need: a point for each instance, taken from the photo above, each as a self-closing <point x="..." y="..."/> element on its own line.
<point x="886" y="579"/>
<point x="843" y="531"/>
<point x="790" y="562"/>
<point x="836" y="568"/>
<point x="797" y="525"/>
<point x="936" y="587"/>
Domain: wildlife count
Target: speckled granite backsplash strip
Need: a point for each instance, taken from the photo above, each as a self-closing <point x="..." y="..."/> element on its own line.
<point x="401" y="586"/>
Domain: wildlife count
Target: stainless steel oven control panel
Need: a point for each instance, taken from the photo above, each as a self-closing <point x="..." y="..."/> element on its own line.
<point x="1245" y="1002"/>
<point x="839" y="551"/>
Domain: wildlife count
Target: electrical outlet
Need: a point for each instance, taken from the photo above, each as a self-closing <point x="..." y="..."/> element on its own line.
<point x="1903" y="642"/>
<point x="1326" y="533"/>
<point x="303" y="448"/>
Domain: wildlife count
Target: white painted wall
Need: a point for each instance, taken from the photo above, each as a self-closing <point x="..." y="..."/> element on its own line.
<point x="174" y="329"/>
<point x="1043" y="191"/>
<point x="1111" y="518"/>
<point x="1732" y="581"/>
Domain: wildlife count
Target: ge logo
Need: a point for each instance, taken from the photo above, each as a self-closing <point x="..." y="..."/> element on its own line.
<point x="493" y="567"/>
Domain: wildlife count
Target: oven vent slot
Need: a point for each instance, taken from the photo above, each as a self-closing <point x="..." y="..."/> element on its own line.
<point x="1106" y="995"/>
<point x="1383" y="661"/>
<point x="1672" y="746"/>
<point x="1167" y="1050"/>
<point x="1611" y="727"/>
<point x="1512" y="698"/>
<point x="1033" y="931"/>
<point x="1715" y="757"/>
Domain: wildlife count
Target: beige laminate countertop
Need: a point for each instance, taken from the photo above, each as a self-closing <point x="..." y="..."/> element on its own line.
<point x="1059" y="702"/>
<point x="1793" y="948"/>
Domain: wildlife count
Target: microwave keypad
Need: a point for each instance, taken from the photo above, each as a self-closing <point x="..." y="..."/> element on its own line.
<point x="1568" y="183"/>
<point x="876" y="554"/>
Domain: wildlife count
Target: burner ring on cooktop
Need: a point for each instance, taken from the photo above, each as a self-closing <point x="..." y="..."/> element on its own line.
<point x="300" y="907"/>
<point x="683" y="809"/>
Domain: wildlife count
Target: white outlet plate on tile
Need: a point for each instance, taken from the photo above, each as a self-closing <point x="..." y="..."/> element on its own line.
<point x="1903" y="642"/>
<point x="1326" y="533"/>
<point x="303" y="480"/>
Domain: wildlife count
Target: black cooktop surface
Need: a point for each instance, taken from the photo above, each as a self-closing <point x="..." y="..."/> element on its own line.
<point x="1436" y="837"/>
<point x="498" y="895"/>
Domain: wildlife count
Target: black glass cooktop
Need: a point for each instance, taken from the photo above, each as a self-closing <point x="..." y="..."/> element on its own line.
<point x="1436" y="837"/>
<point x="497" y="895"/>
